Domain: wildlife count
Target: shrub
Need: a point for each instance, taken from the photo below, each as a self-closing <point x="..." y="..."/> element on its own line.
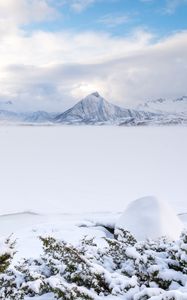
<point x="154" y="270"/>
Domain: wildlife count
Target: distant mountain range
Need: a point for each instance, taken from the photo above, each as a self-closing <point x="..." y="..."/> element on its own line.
<point x="95" y="110"/>
<point x="176" y="106"/>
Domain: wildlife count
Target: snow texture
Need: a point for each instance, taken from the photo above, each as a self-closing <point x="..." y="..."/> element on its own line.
<point x="75" y="169"/>
<point x="150" y="218"/>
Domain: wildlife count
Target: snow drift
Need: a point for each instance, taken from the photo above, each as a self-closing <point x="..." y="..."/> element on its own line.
<point x="150" y="218"/>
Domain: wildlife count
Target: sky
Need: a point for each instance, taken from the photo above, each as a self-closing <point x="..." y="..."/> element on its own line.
<point x="55" y="52"/>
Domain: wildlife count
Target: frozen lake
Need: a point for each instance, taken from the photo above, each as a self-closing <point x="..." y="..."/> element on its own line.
<point x="90" y="169"/>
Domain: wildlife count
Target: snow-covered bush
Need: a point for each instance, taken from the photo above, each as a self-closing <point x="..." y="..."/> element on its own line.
<point x="154" y="270"/>
<point x="8" y="280"/>
<point x="6" y="253"/>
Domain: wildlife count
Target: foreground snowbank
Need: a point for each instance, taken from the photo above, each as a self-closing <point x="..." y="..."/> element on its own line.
<point x="162" y="263"/>
<point x="150" y="218"/>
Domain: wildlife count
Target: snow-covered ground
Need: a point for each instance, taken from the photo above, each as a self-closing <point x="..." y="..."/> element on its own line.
<point x="67" y="174"/>
<point x="67" y="182"/>
<point x="90" y="169"/>
<point x="27" y="227"/>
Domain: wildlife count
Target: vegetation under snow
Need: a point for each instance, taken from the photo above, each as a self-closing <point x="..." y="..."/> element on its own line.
<point x="123" y="267"/>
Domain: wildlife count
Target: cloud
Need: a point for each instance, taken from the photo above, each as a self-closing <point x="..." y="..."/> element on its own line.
<point x="111" y="20"/>
<point x="51" y="62"/>
<point x="172" y="5"/>
<point x="80" y="5"/>
<point x="169" y="6"/>
<point x="25" y="11"/>
<point x="52" y="70"/>
<point x="52" y="74"/>
<point x="43" y="48"/>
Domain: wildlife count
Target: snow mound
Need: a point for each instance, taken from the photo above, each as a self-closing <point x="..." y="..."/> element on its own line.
<point x="150" y="218"/>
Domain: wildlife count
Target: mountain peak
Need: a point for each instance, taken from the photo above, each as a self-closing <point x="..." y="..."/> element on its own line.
<point x="92" y="99"/>
<point x="95" y="94"/>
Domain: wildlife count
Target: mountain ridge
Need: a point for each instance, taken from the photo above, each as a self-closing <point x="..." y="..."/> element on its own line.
<point x="95" y="110"/>
<point x="178" y="105"/>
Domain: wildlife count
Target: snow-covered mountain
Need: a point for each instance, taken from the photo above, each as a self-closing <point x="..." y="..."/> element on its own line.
<point x="174" y="106"/>
<point x="96" y="110"/>
<point x="7" y="116"/>
<point x="38" y="117"/>
<point x="171" y="111"/>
